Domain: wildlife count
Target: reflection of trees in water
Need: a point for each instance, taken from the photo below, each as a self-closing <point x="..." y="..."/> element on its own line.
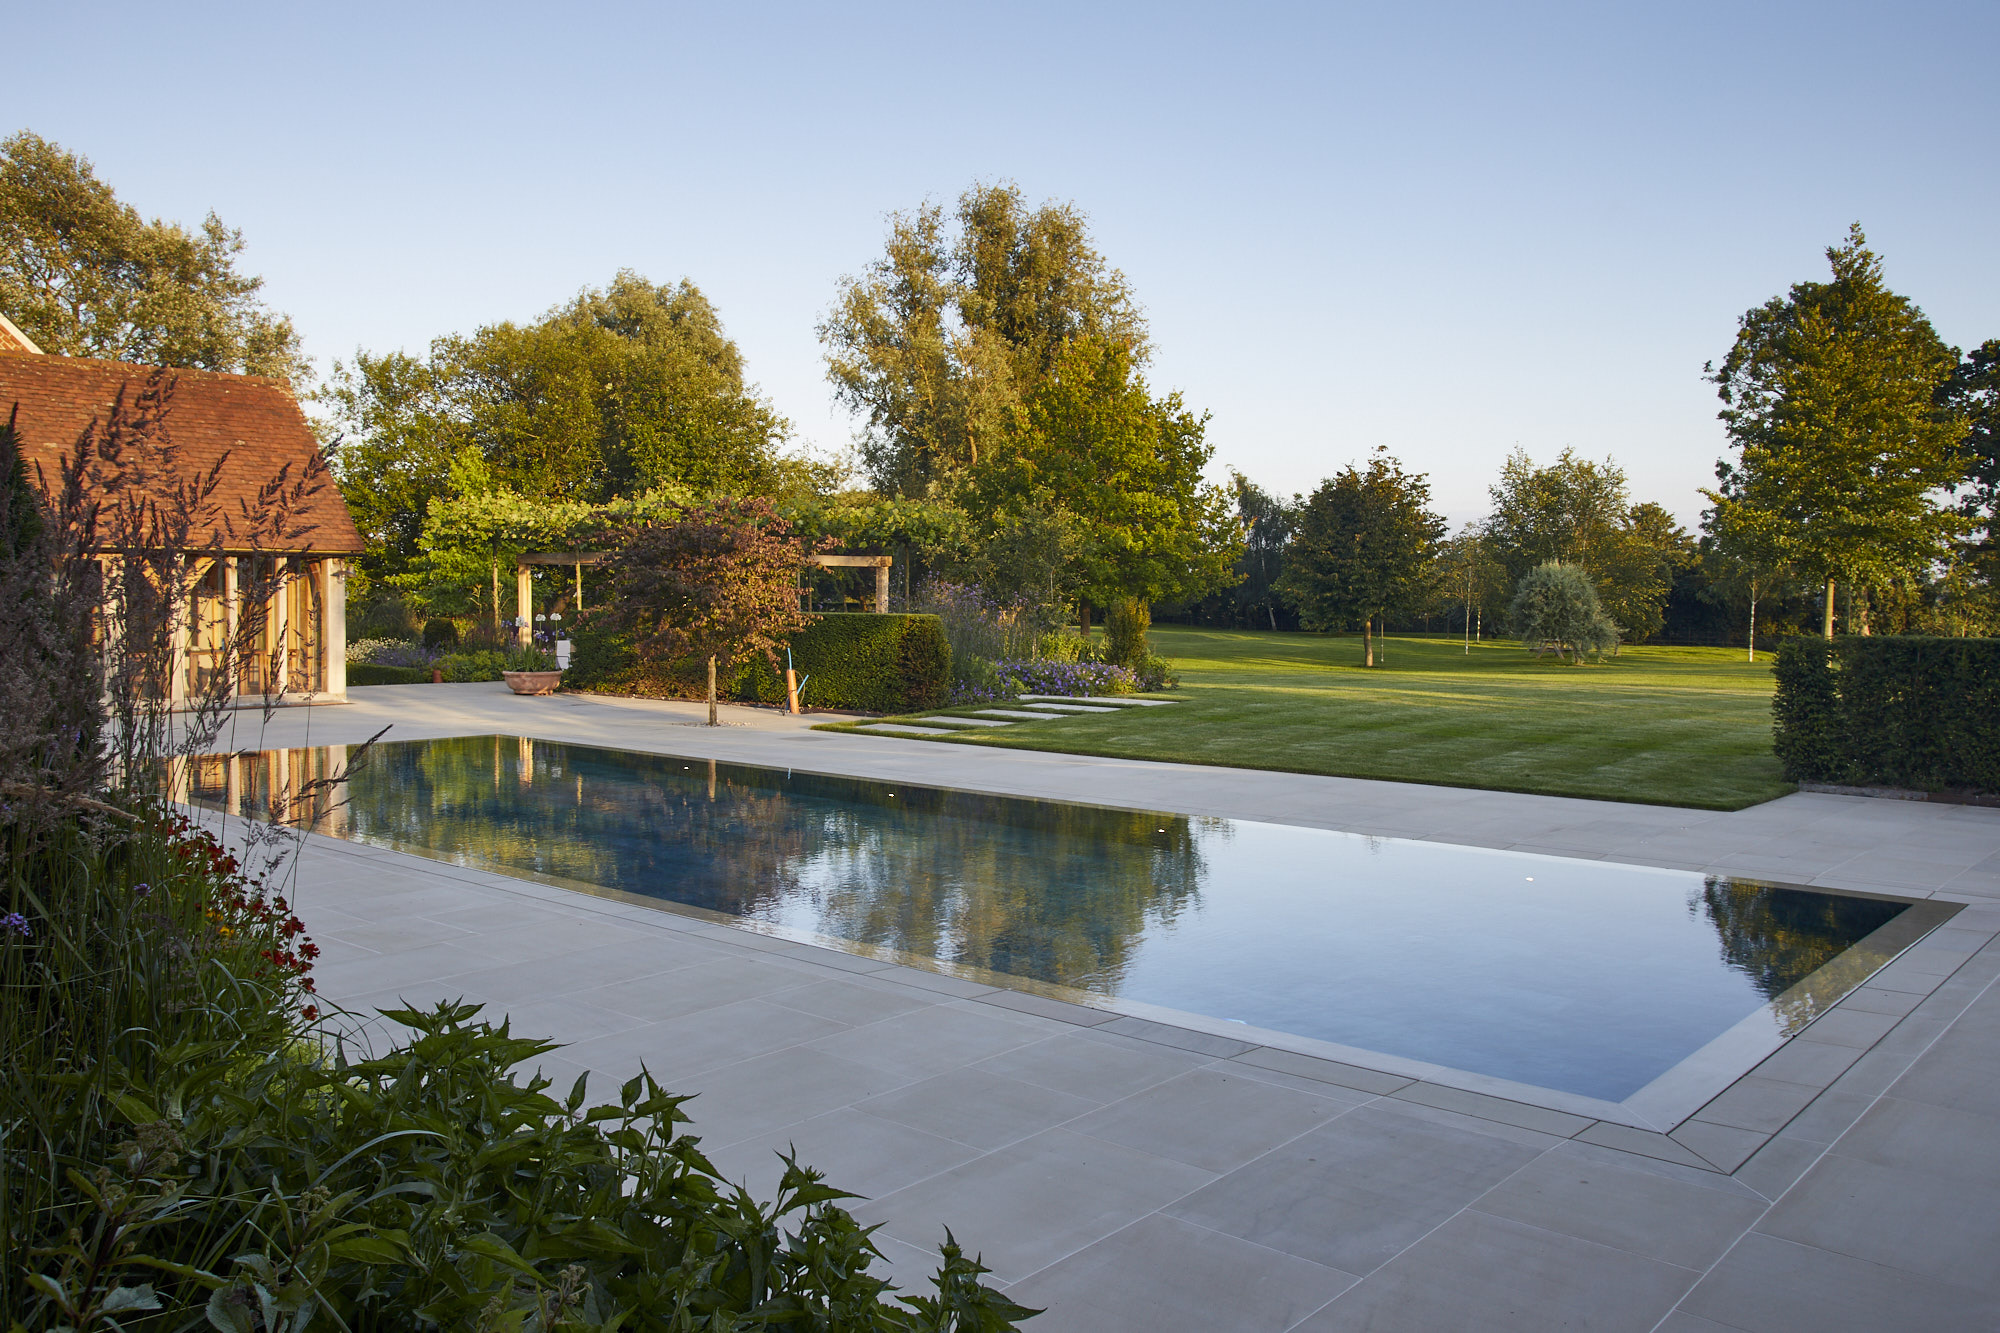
<point x="1058" y="892"/>
<point x="1039" y="889"/>
<point x="1777" y="937"/>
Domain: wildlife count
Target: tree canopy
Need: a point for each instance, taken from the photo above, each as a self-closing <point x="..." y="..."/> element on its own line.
<point x="1363" y="548"/>
<point x="1126" y="468"/>
<point x="1831" y="395"/>
<point x="940" y="343"/>
<point x="83" y="274"/>
<point x="620" y="391"/>
<point x="1578" y="512"/>
<point x="716" y="581"/>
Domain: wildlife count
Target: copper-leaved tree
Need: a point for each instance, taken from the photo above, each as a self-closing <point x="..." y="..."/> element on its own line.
<point x="719" y="581"/>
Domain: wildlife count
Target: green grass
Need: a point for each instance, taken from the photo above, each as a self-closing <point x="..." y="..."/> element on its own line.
<point x="1672" y="726"/>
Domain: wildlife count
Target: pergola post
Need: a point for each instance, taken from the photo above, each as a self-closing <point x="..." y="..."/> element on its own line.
<point x="879" y="563"/>
<point x="524" y="605"/>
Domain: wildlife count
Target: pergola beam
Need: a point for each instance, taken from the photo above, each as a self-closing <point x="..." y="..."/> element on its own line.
<point x="879" y="563"/>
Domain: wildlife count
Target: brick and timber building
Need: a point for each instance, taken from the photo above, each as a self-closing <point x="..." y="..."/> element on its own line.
<point x="243" y="433"/>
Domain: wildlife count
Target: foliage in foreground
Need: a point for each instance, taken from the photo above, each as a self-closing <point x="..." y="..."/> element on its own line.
<point x="185" y="1145"/>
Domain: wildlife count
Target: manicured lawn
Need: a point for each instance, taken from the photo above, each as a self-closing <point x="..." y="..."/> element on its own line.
<point x="1676" y="726"/>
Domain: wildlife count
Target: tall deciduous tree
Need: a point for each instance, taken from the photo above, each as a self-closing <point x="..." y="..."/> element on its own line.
<point x="622" y="390"/>
<point x="1097" y="446"/>
<point x="1579" y="513"/>
<point x="718" y="581"/>
<point x="1268" y="521"/>
<point x="1973" y="392"/>
<point x="1363" y="548"/>
<point x="84" y="275"/>
<point x="1830" y="395"/>
<point x="940" y="343"/>
<point x="1469" y="574"/>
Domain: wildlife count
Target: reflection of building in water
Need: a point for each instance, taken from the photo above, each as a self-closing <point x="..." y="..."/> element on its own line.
<point x="305" y="788"/>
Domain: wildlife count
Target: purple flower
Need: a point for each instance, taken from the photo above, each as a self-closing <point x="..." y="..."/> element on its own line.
<point x="16" y="924"/>
<point x="141" y="890"/>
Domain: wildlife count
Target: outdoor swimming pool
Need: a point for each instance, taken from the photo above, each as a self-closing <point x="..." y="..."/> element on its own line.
<point x="1591" y="979"/>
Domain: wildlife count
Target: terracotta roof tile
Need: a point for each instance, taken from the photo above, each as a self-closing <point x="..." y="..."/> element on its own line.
<point x="251" y="424"/>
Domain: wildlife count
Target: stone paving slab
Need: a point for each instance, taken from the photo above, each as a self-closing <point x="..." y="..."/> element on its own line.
<point x="1155" y="1161"/>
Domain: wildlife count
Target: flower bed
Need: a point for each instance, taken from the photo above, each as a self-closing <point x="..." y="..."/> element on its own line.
<point x="1070" y="679"/>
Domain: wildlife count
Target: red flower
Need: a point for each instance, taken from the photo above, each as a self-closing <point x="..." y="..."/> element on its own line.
<point x="310" y="1012"/>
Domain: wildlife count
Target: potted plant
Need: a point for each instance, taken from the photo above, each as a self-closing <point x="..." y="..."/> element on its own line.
<point x="532" y="670"/>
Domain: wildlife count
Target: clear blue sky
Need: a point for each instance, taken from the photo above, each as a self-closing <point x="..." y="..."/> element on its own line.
<point x="1449" y="229"/>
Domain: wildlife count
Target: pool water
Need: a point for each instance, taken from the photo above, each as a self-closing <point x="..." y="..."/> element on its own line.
<point x="1581" y="976"/>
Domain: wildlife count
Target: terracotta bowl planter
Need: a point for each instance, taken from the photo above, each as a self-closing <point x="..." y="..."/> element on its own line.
<point x="532" y="682"/>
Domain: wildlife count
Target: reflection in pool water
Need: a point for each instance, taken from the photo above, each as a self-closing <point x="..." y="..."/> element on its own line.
<point x="1582" y="976"/>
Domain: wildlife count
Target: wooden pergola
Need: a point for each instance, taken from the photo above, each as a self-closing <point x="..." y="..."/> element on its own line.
<point x="524" y="588"/>
<point x="879" y="563"/>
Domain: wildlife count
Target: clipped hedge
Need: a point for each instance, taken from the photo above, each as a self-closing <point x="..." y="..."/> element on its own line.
<point x="1890" y="711"/>
<point x="368" y="673"/>
<point x="862" y="661"/>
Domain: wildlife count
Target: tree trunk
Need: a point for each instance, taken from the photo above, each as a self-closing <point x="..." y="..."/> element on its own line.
<point x="496" y="596"/>
<point x="1083" y="616"/>
<point x="1753" y="624"/>
<point x="1367" y="643"/>
<point x="711" y="693"/>
<point x="1829" y="610"/>
<point x="1272" y="611"/>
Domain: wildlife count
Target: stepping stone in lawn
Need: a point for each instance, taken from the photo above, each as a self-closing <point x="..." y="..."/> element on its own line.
<point x="903" y="729"/>
<point x="1019" y="714"/>
<point x="966" y="721"/>
<point x="1073" y="708"/>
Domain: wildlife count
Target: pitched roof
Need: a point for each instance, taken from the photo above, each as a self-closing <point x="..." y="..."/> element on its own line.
<point x="249" y="424"/>
<point x="13" y="340"/>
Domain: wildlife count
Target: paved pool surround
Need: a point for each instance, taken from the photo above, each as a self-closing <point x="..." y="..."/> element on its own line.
<point x="1129" y="1173"/>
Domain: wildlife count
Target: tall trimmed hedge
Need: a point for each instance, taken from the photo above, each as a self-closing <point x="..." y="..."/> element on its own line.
<point x="1890" y="711"/>
<point x="866" y="662"/>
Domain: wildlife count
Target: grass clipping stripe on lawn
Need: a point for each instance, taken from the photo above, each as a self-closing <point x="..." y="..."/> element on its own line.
<point x="1666" y="726"/>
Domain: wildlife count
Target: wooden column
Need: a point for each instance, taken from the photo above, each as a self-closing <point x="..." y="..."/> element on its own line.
<point x="333" y="639"/>
<point x="524" y="605"/>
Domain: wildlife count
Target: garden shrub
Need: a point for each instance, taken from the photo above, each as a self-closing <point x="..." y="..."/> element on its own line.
<point x="1556" y="603"/>
<point x="1126" y="621"/>
<point x="1889" y="710"/>
<point x="873" y="663"/>
<point x="440" y="634"/>
<point x="860" y="660"/>
<point x="372" y="673"/>
<point x="489" y="663"/>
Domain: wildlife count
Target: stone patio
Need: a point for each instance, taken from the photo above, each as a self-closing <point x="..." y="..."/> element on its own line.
<point x="1138" y="1175"/>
